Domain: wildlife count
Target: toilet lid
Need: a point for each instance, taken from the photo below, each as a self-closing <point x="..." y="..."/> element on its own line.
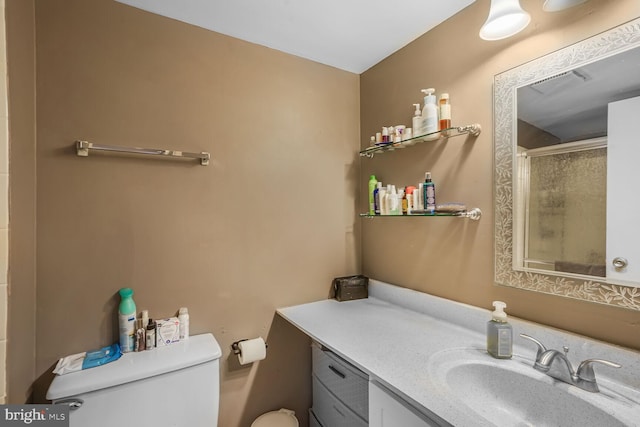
<point x="281" y="418"/>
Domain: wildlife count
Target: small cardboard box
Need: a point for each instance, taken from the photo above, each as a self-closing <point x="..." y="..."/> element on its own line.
<point x="167" y="331"/>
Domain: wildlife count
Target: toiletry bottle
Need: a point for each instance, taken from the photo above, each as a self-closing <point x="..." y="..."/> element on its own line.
<point x="383" y="200"/>
<point x="416" y="122"/>
<point x="445" y="111"/>
<point x="430" y="115"/>
<point x="499" y="333"/>
<point x="144" y="315"/>
<point x="126" y="320"/>
<point x="373" y="183"/>
<point x="385" y="135"/>
<point x="402" y="208"/>
<point x="140" y="337"/>
<point x="183" y="317"/>
<point x="429" y="189"/>
<point x="392" y="201"/>
<point x="151" y="335"/>
<point x="376" y="198"/>
<point x="420" y="205"/>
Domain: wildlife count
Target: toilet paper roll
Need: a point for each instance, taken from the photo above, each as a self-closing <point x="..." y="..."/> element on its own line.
<point x="252" y="350"/>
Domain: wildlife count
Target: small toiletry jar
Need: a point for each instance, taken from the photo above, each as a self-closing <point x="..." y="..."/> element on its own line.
<point x="350" y="287"/>
<point x="167" y="331"/>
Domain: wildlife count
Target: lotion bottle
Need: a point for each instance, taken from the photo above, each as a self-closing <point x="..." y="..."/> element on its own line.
<point x="430" y="115"/>
<point x="499" y="333"/>
<point x="416" y="123"/>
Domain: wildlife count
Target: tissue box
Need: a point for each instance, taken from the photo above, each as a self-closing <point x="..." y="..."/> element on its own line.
<point x="167" y="331"/>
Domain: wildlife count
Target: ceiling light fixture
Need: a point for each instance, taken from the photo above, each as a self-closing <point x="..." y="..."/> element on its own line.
<point x="506" y="18"/>
<point x="558" y="5"/>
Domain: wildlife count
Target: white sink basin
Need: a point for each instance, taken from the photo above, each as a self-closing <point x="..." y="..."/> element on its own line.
<point x="512" y="393"/>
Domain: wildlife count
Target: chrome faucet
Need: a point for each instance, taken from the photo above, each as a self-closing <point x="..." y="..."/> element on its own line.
<point x="583" y="378"/>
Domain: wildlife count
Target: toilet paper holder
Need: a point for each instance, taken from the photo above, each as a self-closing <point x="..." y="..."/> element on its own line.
<point x="236" y="348"/>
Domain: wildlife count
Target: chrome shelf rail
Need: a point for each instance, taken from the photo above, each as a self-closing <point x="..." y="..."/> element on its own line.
<point x="83" y="148"/>
<point x="474" y="214"/>
<point x="473" y="130"/>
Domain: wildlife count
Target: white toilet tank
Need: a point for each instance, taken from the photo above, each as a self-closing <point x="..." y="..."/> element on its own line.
<point x="177" y="385"/>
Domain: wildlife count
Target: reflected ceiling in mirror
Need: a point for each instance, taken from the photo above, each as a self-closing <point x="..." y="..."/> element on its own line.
<point x="593" y="66"/>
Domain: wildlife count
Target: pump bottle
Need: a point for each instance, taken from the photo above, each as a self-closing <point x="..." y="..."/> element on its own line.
<point x="416" y="122"/>
<point x="499" y="333"/>
<point x="430" y="115"/>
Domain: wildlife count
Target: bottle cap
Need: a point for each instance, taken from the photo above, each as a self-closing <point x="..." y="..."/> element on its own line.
<point x="371" y="178"/>
<point x="427" y="176"/>
<point x="151" y="325"/>
<point x="417" y="112"/>
<point x="429" y="96"/>
<point x="126" y="292"/>
<point x="444" y="96"/>
<point x="183" y="310"/>
<point x="499" y="313"/>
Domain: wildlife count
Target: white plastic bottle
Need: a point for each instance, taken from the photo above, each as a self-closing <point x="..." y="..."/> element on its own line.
<point x="183" y="317"/>
<point x="416" y="122"/>
<point x="430" y="115"/>
<point x="126" y="320"/>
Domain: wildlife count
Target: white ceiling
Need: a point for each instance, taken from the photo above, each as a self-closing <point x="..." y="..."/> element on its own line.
<point x="352" y="35"/>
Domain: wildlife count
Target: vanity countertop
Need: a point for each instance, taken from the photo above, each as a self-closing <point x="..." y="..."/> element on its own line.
<point x="392" y="334"/>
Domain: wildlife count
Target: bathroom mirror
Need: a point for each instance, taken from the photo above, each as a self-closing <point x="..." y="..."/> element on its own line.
<point x="566" y="171"/>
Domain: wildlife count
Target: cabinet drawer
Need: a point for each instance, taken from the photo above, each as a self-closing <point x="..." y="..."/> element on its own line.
<point x="313" y="420"/>
<point x="330" y="412"/>
<point x="345" y="381"/>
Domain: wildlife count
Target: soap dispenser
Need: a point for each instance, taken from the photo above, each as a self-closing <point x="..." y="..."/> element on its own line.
<point x="499" y="333"/>
<point x="430" y="115"/>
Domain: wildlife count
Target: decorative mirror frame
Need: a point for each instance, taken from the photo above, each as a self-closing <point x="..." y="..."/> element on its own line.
<point x="618" y="39"/>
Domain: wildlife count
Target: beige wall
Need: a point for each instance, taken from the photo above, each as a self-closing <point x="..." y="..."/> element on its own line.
<point x="272" y="219"/>
<point x="22" y="140"/>
<point x="446" y="256"/>
<point x="267" y="224"/>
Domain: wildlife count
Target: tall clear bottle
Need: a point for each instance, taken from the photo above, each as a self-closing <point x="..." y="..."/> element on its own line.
<point x="126" y="320"/>
<point x="445" y="112"/>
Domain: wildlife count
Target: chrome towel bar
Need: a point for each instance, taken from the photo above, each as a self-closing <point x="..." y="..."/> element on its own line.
<point x="83" y="147"/>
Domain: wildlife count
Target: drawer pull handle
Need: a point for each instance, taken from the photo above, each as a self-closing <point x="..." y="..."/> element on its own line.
<point x="338" y="411"/>
<point x="338" y="373"/>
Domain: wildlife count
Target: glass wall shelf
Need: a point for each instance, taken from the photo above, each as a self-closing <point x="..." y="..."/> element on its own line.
<point x="473" y="130"/>
<point x="474" y="214"/>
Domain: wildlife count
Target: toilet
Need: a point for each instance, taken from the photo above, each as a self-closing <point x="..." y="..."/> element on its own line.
<point x="281" y="418"/>
<point x="173" y="386"/>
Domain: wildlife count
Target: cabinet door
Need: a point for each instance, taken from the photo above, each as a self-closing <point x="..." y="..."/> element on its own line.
<point x="623" y="176"/>
<point x="387" y="410"/>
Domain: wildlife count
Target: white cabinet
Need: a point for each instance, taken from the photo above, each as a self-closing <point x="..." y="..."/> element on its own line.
<point x="623" y="175"/>
<point x="388" y="410"/>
